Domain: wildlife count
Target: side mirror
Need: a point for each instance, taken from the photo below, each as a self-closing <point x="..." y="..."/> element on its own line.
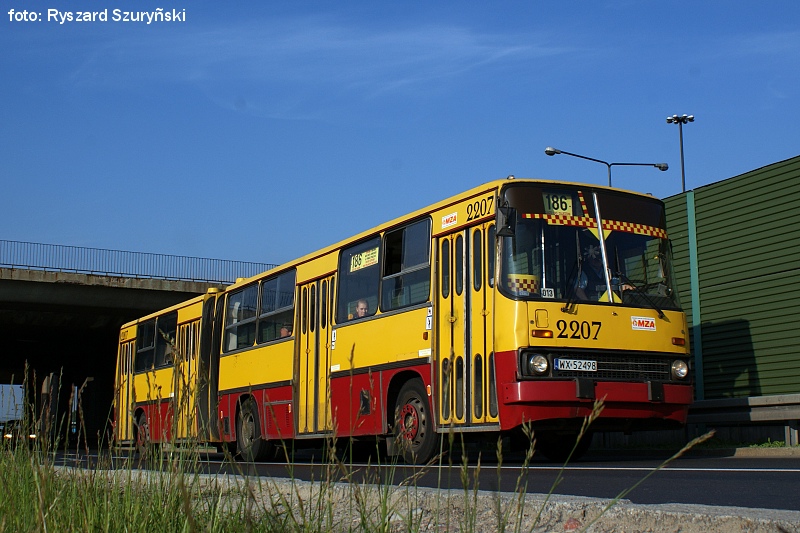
<point x="506" y="220"/>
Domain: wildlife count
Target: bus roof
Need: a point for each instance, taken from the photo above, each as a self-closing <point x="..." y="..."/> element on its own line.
<point x="181" y="305"/>
<point x="489" y="186"/>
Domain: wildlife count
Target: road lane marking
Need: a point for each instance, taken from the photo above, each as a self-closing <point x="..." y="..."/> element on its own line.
<point x="665" y="468"/>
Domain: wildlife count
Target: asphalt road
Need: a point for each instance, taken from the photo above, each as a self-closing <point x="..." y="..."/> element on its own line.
<point x="765" y="479"/>
<point x="739" y="482"/>
<point x="766" y="482"/>
<point x="699" y="493"/>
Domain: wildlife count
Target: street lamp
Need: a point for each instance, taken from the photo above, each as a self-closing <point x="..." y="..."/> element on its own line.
<point x="660" y="166"/>
<point x="680" y="121"/>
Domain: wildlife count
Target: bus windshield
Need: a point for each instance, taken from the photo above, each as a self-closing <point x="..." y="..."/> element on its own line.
<point x="553" y="248"/>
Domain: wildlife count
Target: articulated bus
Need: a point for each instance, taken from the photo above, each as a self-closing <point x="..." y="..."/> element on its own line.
<point x="520" y="302"/>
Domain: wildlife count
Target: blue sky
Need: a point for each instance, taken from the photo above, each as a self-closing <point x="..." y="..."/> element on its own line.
<point x="261" y="131"/>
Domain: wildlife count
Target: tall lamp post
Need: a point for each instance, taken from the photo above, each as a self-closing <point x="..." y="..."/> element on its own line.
<point x="680" y="121"/>
<point x="554" y="151"/>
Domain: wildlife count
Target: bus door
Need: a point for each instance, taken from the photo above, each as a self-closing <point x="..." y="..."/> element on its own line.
<point x="466" y="392"/>
<point x="185" y="386"/>
<point x="312" y="358"/>
<point x="450" y="349"/>
<point x="124" y="391"/>
<point x="480" y="278"/>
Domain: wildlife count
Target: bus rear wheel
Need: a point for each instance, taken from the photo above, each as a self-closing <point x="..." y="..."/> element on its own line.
<point x="249" y="443"/>
<point x="144" y="444"/>
<point x="413" y="424"/>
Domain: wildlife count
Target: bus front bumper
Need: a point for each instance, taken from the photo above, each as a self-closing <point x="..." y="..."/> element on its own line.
<point x="539" y="400"/>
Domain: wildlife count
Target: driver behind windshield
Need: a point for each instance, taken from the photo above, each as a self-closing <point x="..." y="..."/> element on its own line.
<point x="592" y="281"/>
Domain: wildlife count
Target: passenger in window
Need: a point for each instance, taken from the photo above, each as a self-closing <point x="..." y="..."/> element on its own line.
<point x="362" y="308"/>
<point x="286" y="330"/>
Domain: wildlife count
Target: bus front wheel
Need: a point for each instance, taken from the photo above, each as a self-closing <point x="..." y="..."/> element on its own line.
<point x="414" y="433"/>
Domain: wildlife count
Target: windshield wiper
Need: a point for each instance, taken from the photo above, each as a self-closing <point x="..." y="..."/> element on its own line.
<point x="622" y="277"/>
<point x="572" y="283"/>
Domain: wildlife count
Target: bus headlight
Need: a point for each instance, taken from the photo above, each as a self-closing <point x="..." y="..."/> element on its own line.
<point x="680" y="369"/>
<point x="538" y="365"/>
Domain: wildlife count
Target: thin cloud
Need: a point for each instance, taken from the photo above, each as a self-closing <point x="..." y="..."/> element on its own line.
<point x="283" y="62"/>
<point x="782" y="46"/>
<point x="785" y="45"/>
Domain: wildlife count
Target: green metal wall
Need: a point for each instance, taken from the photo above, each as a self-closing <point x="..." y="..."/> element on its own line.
<point x="747" y="265"/>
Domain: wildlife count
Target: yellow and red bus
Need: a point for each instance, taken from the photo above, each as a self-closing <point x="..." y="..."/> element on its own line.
<point x="517" y="302"/>
<point x="158" y="393"/>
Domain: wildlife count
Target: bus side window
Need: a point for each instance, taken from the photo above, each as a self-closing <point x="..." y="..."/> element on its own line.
<point x="491" y="253"/>
<point x="145" y="346"/>
<point x="407" y="267"/>
<point x="276" y="315"/>
<point x="359" y="279"/>
<point x="240" y="318"/>
<point x="167" y="327"/>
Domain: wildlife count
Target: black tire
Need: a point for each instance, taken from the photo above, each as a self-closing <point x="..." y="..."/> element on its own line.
<point x="249" y="442"/>
<point x="414" y="434"/>
<point x="144" y="444"/>
<point x="556" y="446"/>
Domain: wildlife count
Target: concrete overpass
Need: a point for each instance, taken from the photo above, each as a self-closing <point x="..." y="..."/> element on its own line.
<point x="61" y="308"/>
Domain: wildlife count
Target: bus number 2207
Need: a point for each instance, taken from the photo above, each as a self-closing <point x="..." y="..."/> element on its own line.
<point x="480" y="208"/>
<point x="578" y="330"/>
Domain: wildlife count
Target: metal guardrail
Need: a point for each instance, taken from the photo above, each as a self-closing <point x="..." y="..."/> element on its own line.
<point x="102" y="262"/>
<point x="779" y="409"/>
<point x="755" y="409"/>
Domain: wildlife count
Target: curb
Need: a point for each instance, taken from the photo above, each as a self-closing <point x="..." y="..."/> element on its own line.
<point x="767" y="453"/>
<point x="786" y="451"/>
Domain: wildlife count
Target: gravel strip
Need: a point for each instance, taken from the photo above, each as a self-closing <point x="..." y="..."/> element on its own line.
<point x="344" y="507"/>
<point x="431" y="510"/>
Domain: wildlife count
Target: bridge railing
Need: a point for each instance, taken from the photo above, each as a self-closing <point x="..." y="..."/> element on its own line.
<point x="102" y="262"/>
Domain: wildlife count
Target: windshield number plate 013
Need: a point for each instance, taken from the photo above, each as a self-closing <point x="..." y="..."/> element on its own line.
<point x="580" y="365"/>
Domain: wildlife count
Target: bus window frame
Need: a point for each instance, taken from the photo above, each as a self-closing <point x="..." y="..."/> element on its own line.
<point x="347" y="297"/>
<point x="410" y="271"/>
<point x="228" y="326"/>
<point x="166" y="357"/>
<point x="267" y="317"/>
<point x="143" y="351"/>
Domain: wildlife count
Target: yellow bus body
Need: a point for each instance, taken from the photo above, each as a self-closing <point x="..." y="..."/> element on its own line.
<point x="460" y="326"/>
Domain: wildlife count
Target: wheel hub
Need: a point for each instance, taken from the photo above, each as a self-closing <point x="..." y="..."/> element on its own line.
<point x="410" y="419"/>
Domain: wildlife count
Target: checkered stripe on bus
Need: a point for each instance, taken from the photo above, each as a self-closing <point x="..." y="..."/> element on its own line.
<point x="609" y="225"/>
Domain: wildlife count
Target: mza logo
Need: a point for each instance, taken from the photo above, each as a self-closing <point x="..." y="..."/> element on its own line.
<point x="449" y="220"/>
<point x="643" y="323"/>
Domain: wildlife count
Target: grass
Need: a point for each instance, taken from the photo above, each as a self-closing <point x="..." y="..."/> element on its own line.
<point x="769" y="443"/>
<point x="172" y="495"/>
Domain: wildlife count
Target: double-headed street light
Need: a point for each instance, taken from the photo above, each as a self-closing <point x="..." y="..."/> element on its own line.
<point x="660" y="166"/>
<point x="680" y="121"/>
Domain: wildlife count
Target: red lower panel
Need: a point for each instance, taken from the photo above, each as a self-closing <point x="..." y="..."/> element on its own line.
<point x="530" y="401"/>
<point x="360" y="403"/>
<point x="274" y="409"/>
<point x="159" y="420"/>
